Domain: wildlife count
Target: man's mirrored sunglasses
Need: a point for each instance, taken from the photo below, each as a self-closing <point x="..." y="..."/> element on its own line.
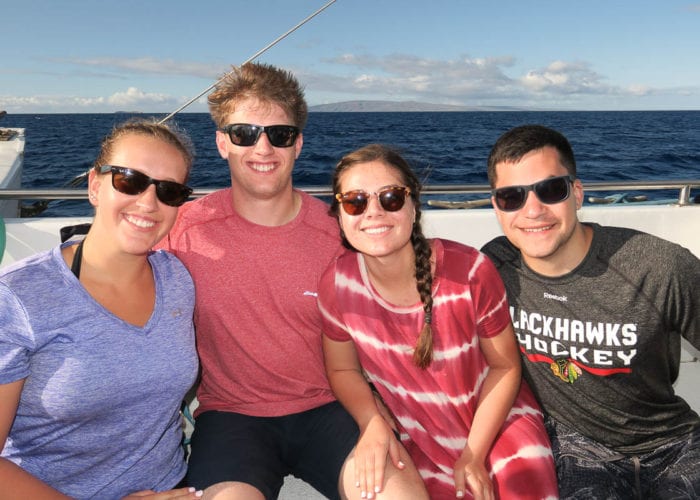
<point x="549" y="191"/>
<point x="132" y="182"/>
<point x="391" y="199"/>
<point x="245" y="134"/>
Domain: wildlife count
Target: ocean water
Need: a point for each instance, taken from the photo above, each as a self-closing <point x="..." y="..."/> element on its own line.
<point x="444" y="147"/>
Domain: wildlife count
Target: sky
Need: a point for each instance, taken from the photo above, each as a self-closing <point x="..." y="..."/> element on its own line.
<point x="86" y="56"/>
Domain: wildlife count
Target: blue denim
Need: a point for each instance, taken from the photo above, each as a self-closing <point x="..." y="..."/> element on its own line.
<point x="588" y="470"/>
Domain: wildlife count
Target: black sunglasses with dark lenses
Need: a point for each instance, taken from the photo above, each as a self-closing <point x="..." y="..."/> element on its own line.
<point x="391" y="199"/>
<point x="245" y="134"/>
<point x="549" y="191"/>
<point x="132" y="182"/>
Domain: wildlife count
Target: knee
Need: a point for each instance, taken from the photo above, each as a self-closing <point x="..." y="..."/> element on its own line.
<point x="232" y="490"/>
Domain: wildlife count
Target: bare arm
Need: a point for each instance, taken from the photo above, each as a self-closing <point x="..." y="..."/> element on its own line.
<point x="19" y="484"/>
<point x="377" y="439"/>
<point x="496" y="400"/>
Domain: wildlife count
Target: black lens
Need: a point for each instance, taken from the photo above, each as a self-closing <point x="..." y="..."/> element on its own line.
<point x="172" y="193"/>
<point x="129" y="181"/>
<point x="243" y="134"/>
<point x="510" y="198"/>
<point x="392" y="199"/>
<point x="552" y="190"/>
<point x="282" y="136"/>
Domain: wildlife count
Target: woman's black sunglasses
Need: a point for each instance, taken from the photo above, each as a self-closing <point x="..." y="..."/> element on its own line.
<point x="391" y="199"/>
<point x="132" y="182"/>
<point x="245" y="134"/>
<point x="549" y="191"/>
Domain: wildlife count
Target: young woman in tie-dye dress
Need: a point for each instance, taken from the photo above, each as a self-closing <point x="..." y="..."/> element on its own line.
<point x="426" y="322"/>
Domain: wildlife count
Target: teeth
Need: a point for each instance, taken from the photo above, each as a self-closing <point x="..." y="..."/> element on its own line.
<point x="140" y="222"/>
<point x="537" y="229"/>
<point x="376" y="230"/>
<point x="262" y="167"/>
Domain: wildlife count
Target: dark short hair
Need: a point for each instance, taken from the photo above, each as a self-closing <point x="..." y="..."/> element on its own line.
<point x="519" y="141"/>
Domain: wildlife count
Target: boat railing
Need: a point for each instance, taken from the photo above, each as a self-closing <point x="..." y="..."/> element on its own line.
<point x="683" y="188"/>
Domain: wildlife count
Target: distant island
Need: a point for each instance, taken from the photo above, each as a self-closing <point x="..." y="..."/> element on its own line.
<point x="398" y="106"/>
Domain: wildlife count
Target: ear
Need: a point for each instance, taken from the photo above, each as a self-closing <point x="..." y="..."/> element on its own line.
<point x="94" y="183"/>
<point x="298" y="145"/>
<point x="222" y="143"/>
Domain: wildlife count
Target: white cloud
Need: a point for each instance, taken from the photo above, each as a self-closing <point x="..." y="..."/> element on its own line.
<point x="565" y="78"/>
<point x="149" y="66"/>
<point x="134" y="97"/>
<point x="469" y="81"/>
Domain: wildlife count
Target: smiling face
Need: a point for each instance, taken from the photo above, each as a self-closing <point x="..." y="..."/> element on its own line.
<point x="550" y="237"/>
<point x="376" y="232"/>
<point x="261" y="171"/>
<point x="134" y="223"/>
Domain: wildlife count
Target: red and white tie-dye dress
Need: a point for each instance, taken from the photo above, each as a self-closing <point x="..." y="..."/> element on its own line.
<point x="434" y="408"/>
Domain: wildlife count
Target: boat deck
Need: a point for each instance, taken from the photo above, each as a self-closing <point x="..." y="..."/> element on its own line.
<point x="11" y="158"/>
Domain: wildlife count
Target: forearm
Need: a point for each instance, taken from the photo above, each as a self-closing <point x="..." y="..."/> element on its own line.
<point x="495" y="402"/>
<point x="19" y="484"/>
<point x="354" y="393"/>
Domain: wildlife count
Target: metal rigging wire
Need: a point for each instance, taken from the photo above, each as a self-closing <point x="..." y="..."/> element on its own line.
<point x="251" y="58"/>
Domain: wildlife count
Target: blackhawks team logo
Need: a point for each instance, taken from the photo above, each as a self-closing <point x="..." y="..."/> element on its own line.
<point x="566" y="370"/>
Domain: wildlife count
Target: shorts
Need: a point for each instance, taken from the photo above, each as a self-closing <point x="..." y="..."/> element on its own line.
<point x="587" y="469"/>
<point x="261" y="451"/>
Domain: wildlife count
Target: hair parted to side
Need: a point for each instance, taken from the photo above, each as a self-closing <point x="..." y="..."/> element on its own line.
<point x="423" y="352"/>
<point x="168" y="133"/>
<point x="519" y="141"/>
<point x="267" y="83"/>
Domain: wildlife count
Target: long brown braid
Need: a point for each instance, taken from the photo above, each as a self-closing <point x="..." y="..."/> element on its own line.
<point x="423" y="352"/>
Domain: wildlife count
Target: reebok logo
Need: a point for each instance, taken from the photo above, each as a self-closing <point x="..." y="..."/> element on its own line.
<point x="560" y="298"/>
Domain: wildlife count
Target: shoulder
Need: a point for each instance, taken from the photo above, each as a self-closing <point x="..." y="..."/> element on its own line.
<point x="202" y="211"/>
<point x="167" y="262"/>
<point x="622" y="242"/>
<point x="31" y="270"/>
<point x="343" y="266"/>
<point x="461" y="262"/>
<point x="450" y="251"/>
<point x="315" y="215"/>
<point x="501" y="251"/>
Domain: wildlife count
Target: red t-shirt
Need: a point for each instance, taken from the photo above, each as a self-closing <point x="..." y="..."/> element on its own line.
<point x="257" y="323"/>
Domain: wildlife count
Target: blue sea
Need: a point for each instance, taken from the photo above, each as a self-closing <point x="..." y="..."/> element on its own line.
<point x="447" y="147"/>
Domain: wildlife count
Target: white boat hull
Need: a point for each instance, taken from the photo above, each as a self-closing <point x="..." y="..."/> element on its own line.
<point x="11" y="159"/>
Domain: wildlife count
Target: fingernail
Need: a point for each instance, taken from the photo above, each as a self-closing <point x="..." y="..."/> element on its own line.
<point x="377" y="489"/>
<point x="357" y="484"/>
<point x="460" y="494"/>
<point x="363" y="494"/>
<point x="199" y="493"/>
<point x="401" y="464"/>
